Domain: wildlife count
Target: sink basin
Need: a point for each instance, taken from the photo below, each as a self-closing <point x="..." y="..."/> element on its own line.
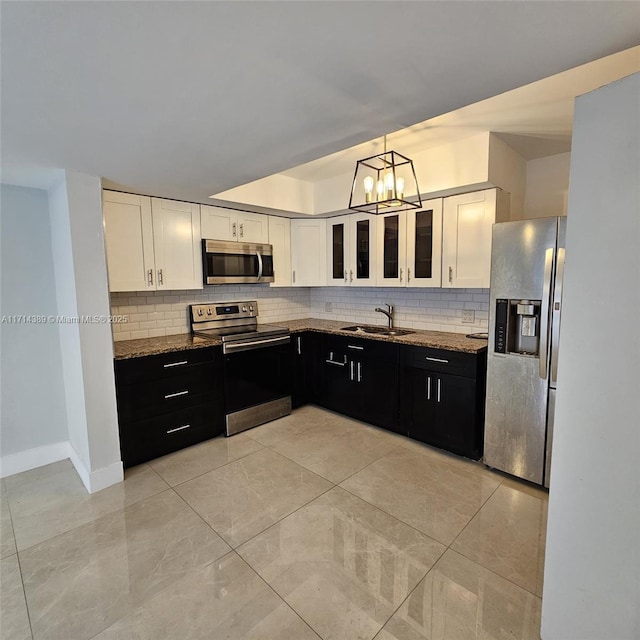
<point x="380" y="331"/>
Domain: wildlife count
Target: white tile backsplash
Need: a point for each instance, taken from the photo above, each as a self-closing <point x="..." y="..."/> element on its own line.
<point x="161" y="313"/>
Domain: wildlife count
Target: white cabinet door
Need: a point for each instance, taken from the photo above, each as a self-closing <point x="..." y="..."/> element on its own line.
<point x="218" y="223"/>
<point x="176" y="242"/>
<point x="466" y="239"/>
<point x="253" y="227"/>
<point x="280" y="240"/>
<point x="338" y="245"/>
<point x="392" y="249"/>
<point x="309" y="253"/>
<point x="129" y="241"/>
<point x="424" y="245"/>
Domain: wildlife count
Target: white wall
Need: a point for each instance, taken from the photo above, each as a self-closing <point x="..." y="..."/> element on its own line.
<point x="547" y="186"/>
<point x="87" y="348"/>
<point x="508" y="170"/>
<point x="33" y="413"/>
<point x="592" y="567"/>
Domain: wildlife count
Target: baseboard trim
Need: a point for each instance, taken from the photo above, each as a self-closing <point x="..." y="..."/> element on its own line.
<point x="33" y="458"/>
<point x="99" y="479"/>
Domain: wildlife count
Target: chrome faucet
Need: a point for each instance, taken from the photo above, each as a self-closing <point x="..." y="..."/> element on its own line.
<point x="388" y="313"/>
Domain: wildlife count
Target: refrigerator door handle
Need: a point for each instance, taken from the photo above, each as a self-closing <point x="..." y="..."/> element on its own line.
<point x="555" y="315"/>
<point x="544" y="313"/>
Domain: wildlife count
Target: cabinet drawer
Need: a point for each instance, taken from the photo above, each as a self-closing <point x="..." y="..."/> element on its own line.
<point x="146" y="439"/>
<point x="163" y="365"/>
<point x="441" y="361"/>
<point x="192" y="385"/>
<point x="360" y="348"/>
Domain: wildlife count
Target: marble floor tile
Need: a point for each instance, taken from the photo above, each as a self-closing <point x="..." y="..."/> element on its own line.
<point x="7" y="539"/>
<point x="19" y="481"/>
<point x="48" y="506"/>
<point x="14" y="619"/>
<point x="337" y="449"/>
<point x="298" y="422"/>
<point x="342" y="564"/>
<point x="245" y="497"/>
<point x="82" y="581"/>
<point x="460" y="600"/>
<point x="431" y="495"/>
<point x="191" y="462"/>
<point x="508" y="535"/>
<point x="225" y="599"/>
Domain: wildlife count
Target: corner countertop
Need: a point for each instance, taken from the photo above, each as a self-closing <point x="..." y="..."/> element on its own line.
<point x="184" y="341"/>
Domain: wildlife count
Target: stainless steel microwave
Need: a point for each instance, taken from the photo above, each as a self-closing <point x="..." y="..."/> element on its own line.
<point x="236" y="262"/>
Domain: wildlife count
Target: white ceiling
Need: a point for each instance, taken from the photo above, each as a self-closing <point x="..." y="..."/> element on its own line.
<point x="186" y="99"/>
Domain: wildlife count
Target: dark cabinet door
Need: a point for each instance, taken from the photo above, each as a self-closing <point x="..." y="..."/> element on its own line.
<point x="441" y="410"/>
<point x="303" y="354"/>
<point x="376" y="383"/>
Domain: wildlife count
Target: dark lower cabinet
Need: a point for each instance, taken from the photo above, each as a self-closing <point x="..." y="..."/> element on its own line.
<point x="442" y="399"/>
<point x="168" y="401"/>
<point x="359" y="378"/>
<point x="303" y="354"/>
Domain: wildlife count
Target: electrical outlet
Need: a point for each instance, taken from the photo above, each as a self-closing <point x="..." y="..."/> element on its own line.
<point x="328" y="307"/>
<point x="468" y="316"/>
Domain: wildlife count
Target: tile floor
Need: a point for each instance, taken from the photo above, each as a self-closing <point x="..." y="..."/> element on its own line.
<point x="313" y="526"/>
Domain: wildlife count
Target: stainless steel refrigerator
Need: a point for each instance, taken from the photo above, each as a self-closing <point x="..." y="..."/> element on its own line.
<point x="527" y="265"/>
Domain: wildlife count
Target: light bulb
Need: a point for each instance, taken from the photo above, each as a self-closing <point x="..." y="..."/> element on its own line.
<point x="399" y="188"/>
<point x="389" y="186"/>
<point x="368" y="189"/>
<point x="380" y="189"/>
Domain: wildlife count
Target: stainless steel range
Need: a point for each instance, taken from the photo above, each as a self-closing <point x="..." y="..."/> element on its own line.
<point x="257" y="362"/>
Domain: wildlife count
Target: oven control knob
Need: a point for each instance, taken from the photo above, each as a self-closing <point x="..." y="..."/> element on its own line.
<point x="199" y="312"/>
<point x="209" y="312"/>
<point x="251" y="308"/>
<point x="244" y="309"/>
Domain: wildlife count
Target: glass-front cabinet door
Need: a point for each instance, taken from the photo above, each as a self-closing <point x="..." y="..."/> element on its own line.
<point x="424" y="245"/>
<point x="351" y="250"/>
<point x="391" y="246"/>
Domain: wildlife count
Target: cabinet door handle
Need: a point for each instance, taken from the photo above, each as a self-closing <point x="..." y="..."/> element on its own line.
<point x="408" y="275"/>
<point x="338" y="364"/>
<point x="439" y="381"/>
<point x="184" y="426"/>
<point x="150" y="277"/>
<point x="359" y="372"/>
<point x="351" y="371"/>
<point x="400" y="274"/>
<point x="241" y="230"/>
<point x="294" y="275"/>
<point x="428" y="387"/>
<point x="234" y="231"/>
<point x="299" y="346"/>
<point x="160" y="277"/>
<point x="175" y="395"/>
<point x="450" y="274"/>
<point x="351" y="275"/>
<point x="345" y="275"/>
<point x="176" y="364"/>
<point x="437" y="360"/>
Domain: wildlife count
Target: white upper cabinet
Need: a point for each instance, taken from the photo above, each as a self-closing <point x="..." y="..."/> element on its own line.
<point x="424" y="245"/>
<point x="128" y="231"/>
<point x="351" y="245"/>
<point x="466" y="237"/>
<point x="228" y="224"/>
<point x="280" y="239"/>
<point x="177" y="246"/>
<point x="309" y="253"/>
<point x="151" y="244"/>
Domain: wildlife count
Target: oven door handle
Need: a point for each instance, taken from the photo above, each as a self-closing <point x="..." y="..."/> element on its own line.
<point x="235" y="347"/>
<point x="259" y="265"/>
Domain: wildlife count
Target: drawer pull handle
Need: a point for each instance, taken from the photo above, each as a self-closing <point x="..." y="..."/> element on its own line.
<point x="437" y="360"/>
<point x="175" y="395"/>
<point x="338" y="364"/>
<point x="184" y="426"/>
<point x="176" y="364"/>
<point x="353" y="346"/>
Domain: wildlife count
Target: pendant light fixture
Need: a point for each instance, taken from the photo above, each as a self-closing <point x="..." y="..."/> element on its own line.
<point x="385" y="183"/>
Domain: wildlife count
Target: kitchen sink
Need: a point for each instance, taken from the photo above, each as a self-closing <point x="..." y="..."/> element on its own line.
<point x="380" y="331"/>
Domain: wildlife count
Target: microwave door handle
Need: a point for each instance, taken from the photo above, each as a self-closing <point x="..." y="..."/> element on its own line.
<point x="259" y="265"/>
<point x="544" y="313"/>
